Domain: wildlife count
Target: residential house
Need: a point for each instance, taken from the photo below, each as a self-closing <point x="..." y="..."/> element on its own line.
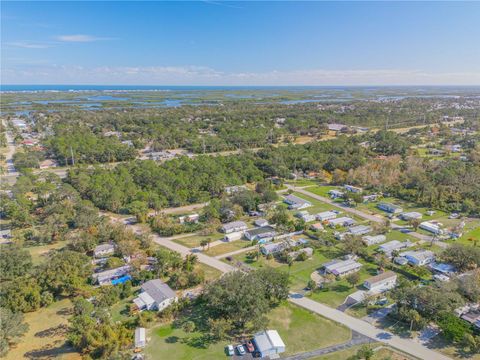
<point x="334" y="194"/>
<point x="326" y="215"/>
<point x="431" y="227"/>
<point x="104" y="250"/>
<point x="360" y="230"/>
<point x="307" y="250"/>
<point x="140" y="338"/>
<point x="442" y="268"/>
<point x="305" y="216"/>
<point x="334" y="128"/>
<point x="473" y="317"/>
<point x="373" y="240"/>
<point x="370" y="197"/>
<point x="261" y="222"/>
<point x="295" y="202"/>
<point x="234" y="226"/>
<point x="390" y="208"/>
<point x="341" y="221"/>
<point x="269" y="343"/>
<point x="263" y="234"/>
<point x="230" y="190"/>
<point x="273" y="248"/>
<point x="316" y="227"/>
<point x="112" y="276"/>
<point x="352" y="188"/>
<point x="394" y="245"/>
<point x="48" y="163"/>
<point x="233" y="236"/>
<point x="155" y="295"/>
<point x="419" y="257"/>
<point x="192" y="218"/>
<point x="341" y="267"/>
<point x="381" y="282"/>
<point x="412" y="215"/>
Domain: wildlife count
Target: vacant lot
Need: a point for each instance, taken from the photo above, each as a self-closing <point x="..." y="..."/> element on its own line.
<point x="45" y="338"/>
<point x="300" y="330"/>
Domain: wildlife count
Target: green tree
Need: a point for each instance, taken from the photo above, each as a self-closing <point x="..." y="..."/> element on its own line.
<point x="14" y="262"/>
<point x="12" y="329"/>
<point x="353" y="278"/>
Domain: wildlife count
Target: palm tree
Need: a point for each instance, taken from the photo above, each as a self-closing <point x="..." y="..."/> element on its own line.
<point x="203" y="243"/>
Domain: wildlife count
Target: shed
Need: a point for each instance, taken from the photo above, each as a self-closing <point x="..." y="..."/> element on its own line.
<point x="140" y="338"/>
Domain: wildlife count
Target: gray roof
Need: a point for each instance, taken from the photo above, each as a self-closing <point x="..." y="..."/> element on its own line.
<point x="158" y="290"/>
<point x="292" y="199"/>
<point x="261" y="230"/>
<point x="234" y="225"/>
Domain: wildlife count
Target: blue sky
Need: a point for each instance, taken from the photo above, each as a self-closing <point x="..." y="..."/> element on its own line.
<point x="241" y="43"/>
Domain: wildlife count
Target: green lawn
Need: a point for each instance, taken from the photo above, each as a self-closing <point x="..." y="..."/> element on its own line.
<point x="381" y="354"/>
<point x="194" y="240"/>
<point x="39" y="253"/>
<point x="227" y="247"/>
<point x="303" y="182"/>
<point x="323" y="190"/>
<point x="300" y="329"/>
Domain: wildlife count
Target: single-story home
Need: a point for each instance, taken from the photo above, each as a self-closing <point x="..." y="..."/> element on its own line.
<point x="370" y="197"/>
<point x="381" y="282"/>
<point x="400" y="260"/>
<point x="341" y="267"/>
<point x="234" y="189"/>
<point x="326" y="215"/>
<point x="389" y="247"/>
<point x="140" y="338"/>
<point x="341" y="221"/>
<point x="233" y="236"/>
<point x="411" y="215"/>
<point x="431" y="227"/>
<point x="337" y="127"/>
<point x="374" y="239"/>
<point x="48" y="163"/>
<point x="108" y="277"/>
<point x="104" y="250"/>
<point x="473" y="317"/>
<point x="419" y="257"/>
<point x="360" y="230"/>
<point x="269" y="343"/>
<point x="335" y="193"/>
<point x="155" y="295"/>
<point x="274" y="248"/>
<point x="305" y="216"/>
<point x="390" y="208"/>
<point x="261" y="222"/>
<point x="192" y="218"/>
<point x="234" y="226"/>
<point x="265" y="233"/>
<point x="353" y="189"/>
<point x="295" y="202"/>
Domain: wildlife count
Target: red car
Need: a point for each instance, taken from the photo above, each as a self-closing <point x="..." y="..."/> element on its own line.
<point x="249" y="346"/>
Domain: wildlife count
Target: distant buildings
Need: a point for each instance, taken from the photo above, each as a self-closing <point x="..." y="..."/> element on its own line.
<point x="394" y="245"/>
<point x="265" y="233"/>
<point x="230" y="190"/>
<point x="419" y="257"/>
<point x="337" y="128"/>
<point x="305" y="216"/>
<point x="295" y="202"/>
<point x="234" y="226"/>
<point x="390" y="208"/>
<point x="407" y="216"/>
<point x="373" y="240"/>
<point x="341" y="221"/>
<point x="326" y="215"/>
<point x="261" y="222"/>
<point x="359" y="230"/>
<point x="104" y="250"/>
<point x="112" y="276"/>
<point x="353" y="189"/>
<point x="192" y="218"/>
<point x="155" y="295"/>
<point x="334" y="194"/>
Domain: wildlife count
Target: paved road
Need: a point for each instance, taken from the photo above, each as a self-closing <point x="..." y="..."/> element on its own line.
<point x="406" y="345"/>
<point x="357" y="339"/>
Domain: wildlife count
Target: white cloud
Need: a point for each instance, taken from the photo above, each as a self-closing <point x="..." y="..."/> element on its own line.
<point x="81" y="38"/>
<point x="28" y="45"/>
<point x="201" y="75"/>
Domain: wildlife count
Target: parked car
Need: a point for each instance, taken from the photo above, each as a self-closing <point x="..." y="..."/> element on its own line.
<point x="230" y="350"/>
<point x="241" y="350"/>
<point x="249" y="346"/>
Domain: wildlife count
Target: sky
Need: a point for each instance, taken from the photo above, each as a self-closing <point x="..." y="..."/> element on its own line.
<point x="240" y="43"/>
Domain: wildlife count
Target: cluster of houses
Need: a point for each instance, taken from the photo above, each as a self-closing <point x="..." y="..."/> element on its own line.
<point x="470" y="313"/>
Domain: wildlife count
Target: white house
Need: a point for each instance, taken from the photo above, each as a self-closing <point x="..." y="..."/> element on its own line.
<point x="381" y="283"/>
<point x="431" y="227"/>
<point x="407" y="216"/>
<point x="155" y="295"/>
<point x="264" y="233"/>
<point x="305" y="216"/>
<point x="341" y="267"/>
<point x="103" y="250"/>
<point x="360" y="230"/>
<point x="335" y="193"/>
<point x="234" y="189"/>
<point x="373" y="240"/>
<point x="269" y="343"/>
<point x="233" y="236"/>
<point x="326" y="215"/>
<point x="192" y="218"/>
<point x="234" y="226"/>
<point x="419" y="257"/>
<point x="391" y="246"/>
<point x="391" y="208"/>
<point x="341" y="221"/>
<point x="261" y="222"/>
<point x="295" y="202"/>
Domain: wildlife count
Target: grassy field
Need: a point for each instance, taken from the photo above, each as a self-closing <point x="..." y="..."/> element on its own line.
<point x="45" y="338"/>
<point x="39" y="252"/>
<point x="323" y="190"/>
<point x="194" y="240"/>
<point x="300" y="330"/>
<point x="380" y="354"/>
<point x="227" y="247"/>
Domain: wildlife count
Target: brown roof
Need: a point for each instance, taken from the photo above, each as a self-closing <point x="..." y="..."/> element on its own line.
<point x="380" y="277"/>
